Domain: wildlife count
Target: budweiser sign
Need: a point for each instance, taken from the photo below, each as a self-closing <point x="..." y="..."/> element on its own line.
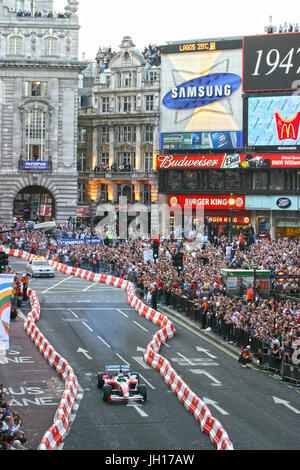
<point x="199" y="161"/>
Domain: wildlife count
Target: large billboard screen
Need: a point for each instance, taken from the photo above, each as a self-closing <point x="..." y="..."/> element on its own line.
<point x="272" y="122"/>
<point x="201" y="92"/>
<point x="271" y="62"/>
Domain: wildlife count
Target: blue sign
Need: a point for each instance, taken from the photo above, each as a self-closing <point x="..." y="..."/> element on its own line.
<point x="202" y="91"/>
<point x="35" y="165"/>
<point x="77" y="241"/>
<point x="283" y="203"/>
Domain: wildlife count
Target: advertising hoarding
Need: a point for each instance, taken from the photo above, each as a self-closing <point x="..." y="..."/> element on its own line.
<point x="273" y="122"/>
<point x="227" y="161"/>
<point x="201" y="91"/>
<point x="200" y="140"/>
<point x="37" y="165"/>
<point x="271" y="62"/>
<point x="207" y="201"/>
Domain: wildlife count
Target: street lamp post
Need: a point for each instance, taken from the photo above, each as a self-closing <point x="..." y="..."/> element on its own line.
<point x="231" y="202"/>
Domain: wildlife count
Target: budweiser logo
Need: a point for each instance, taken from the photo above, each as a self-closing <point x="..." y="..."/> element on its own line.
<point x="169" y="161"/>
<point x="287" y="129"/>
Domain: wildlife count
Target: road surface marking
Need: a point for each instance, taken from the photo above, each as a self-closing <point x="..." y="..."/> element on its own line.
<point x="57" y="284"/>
<point x="120" y="311"/>
<point x="122" y="359"/>
<point x="89" y="287"/>
<point x="139" y="410"/>
<point x="76" y="316"/>
<point x="286" y="403"/>
<point x="87" y="326"/>
<point x="136" y="323"/>
<point x="216" y="382"/>
<point x="208" y="401"/>
<point x="147" y="382"/>
<point x="103" y="341"/>
<point x="85" y="353"/>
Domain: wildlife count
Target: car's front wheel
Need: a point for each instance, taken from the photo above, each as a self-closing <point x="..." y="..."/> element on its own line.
<point x="107" y="389"/>
<point x="100" y="381"/>
<point x="143" y="391"/>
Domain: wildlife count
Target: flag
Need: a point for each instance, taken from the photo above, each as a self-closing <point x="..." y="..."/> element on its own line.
<point x="6" y="290"/>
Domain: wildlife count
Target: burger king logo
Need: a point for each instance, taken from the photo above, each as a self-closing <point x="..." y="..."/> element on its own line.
<point x="173" y="201"/>
<point x="239" y="202"/>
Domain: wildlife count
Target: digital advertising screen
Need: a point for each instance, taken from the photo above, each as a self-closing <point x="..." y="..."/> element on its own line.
<point x="272" y="122"/>
<point x="200" y="140"/>
<point x="271" y="62"/>
<point x="201" y="92"/>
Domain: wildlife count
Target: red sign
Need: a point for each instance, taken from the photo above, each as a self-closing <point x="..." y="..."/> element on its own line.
<point x="222" y="219"/>
<point x="207" y="202"/>
<point x="228" y="161"/>
<point x="287" y="129"/>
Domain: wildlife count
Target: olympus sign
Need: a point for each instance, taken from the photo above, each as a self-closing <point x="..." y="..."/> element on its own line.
<point x="202" y="91"/>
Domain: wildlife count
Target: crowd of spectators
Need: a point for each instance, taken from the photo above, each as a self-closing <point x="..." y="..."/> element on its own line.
<point x="284" y="28"/>
<point x="152" y="55"/>
<point x="122" y="167"/>
<point x="103" y="57"/>
<point x="40" y="14"/>
<point x="273" y="321"/>
<point x="11" y="435"/>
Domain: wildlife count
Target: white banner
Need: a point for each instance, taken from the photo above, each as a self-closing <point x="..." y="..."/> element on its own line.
<point x="6" y="290"/>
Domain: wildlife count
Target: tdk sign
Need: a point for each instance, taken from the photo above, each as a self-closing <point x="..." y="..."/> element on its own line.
<point x="202" y="91"/>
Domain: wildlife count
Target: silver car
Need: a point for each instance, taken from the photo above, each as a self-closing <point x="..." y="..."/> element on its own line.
<point x="39" y="268"/>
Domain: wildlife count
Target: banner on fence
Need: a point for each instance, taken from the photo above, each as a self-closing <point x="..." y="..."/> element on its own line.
<point x="6" y="290"/>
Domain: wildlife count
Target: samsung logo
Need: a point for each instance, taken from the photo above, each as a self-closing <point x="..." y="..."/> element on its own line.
<point x="284" y="203"/>
<point x="202" y="91"/>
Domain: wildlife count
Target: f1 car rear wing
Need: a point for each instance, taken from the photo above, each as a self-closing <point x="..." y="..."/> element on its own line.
<point x="114" y="370"/>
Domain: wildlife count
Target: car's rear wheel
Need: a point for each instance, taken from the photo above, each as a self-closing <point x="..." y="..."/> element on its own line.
<point x="143" y="391"/>
<point x="107" y="389"/>
<point x="100" y="381"/>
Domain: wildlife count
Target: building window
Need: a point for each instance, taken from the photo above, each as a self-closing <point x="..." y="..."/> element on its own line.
<point x="36" y="88"/>
<point x="147" y="194"/>
<point x="103" y="193"/>
<point x="81" y="162"/>
<point x="126" y="161"/>
<point x="15" y="45"/>
<point x="232" y="180"/>
<point x="50" y="46"/>
<point x="104" y="135"/>
<point x="148" y="134"/>
<point x="35" y="135"/>
<point x="82" y="135"/>
<point x="126" y="134"/>
<point x="104" y="160"/>
<point x="215" y="180"/>
<point x="152" y="75"/>
<point x="126" y="104"/>
<point x="148" y="161"/>
<point x="149" y="100"/>
<point x="276" y="180"/>
<point x="260" y="180"/>
<point x="190" y="180"/>
<point x="105" y="104"/>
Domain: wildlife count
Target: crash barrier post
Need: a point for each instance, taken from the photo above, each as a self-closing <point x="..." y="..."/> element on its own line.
<point x="269" y="362"/>
<point x="209" y="425"/>
<point x="291" y="372"/>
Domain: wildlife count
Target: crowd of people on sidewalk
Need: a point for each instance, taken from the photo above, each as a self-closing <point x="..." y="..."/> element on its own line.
<point x="11" y="435"/>
<point x="274" y="322"/>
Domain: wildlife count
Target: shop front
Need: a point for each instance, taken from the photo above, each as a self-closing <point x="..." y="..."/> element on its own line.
<point x="213" y="210"/>
<point x="275" y="216"/>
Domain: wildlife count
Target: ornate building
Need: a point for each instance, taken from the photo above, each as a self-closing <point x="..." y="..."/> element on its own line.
<point x="39" y="71"/>
<point x="119" y="127"/>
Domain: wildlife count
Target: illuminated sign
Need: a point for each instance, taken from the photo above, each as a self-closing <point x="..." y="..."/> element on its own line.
<point x="202" y="91"/>
<point x="287" y="129"/>
<point x="201" y="46"/>
<point x="207" y="201"/>
<point x="227" y="161"/>
<point x="272" y="122"/>
<point x="271" y="62"/>
<point x="200" y="140"/>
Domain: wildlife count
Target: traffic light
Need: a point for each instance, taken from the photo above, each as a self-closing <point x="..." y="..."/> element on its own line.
<point x="179" y="261"/>
<point x="155" y="246"/>
<point x="3" y="261"/>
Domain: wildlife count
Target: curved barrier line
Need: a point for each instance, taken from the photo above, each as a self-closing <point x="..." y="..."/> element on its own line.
<point x="191" y="402"/>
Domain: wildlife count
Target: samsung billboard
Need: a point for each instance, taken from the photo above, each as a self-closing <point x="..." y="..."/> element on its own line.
<point x="201" y="93"/>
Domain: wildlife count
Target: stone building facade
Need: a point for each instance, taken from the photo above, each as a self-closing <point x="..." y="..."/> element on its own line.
<point x="39" y="71"/>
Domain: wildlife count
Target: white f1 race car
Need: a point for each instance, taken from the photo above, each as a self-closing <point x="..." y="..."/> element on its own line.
<point x="118" y="384"/>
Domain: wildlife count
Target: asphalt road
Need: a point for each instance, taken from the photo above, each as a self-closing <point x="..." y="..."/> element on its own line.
<point x="91" y="325"/>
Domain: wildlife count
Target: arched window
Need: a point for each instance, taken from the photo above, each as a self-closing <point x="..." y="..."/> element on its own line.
<point x="15" y="45"/>
<point x="35" y="134"/>
<point x="50" y="46"/>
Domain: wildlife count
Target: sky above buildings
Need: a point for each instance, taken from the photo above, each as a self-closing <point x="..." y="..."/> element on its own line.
<point x="158" y="21"/>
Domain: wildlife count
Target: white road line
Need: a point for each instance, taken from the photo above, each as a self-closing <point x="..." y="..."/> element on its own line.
<point x="147" y="382"/>
<point x="140" y="411"/>
<point x="76" y="316"/>
<point x="57" y="284"/>
<point x="185" y="358"/>
<point x="136" y="323"/>
<point x="122" y="358"/>
<point x="87" y="326"/>
<point x="120" y="311"/>
<point x="103" y="341"/>
<point x="89" y="287"/>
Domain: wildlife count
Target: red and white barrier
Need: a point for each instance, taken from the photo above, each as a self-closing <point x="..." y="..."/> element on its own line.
<point x="55" y="435"/>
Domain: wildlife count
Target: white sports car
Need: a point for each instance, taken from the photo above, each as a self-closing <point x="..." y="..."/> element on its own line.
<point x="39" y="268"/>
